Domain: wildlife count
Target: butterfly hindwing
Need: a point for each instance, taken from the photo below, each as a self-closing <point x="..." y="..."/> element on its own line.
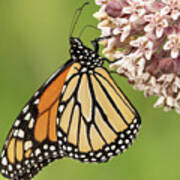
<point x="96" y="121"/>
<point x="32" y="141"/>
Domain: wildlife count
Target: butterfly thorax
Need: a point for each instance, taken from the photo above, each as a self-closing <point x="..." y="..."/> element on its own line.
<point x="87" y="57"/>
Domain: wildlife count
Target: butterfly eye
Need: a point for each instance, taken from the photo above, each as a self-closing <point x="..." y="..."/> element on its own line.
<point x="75" y="42"/>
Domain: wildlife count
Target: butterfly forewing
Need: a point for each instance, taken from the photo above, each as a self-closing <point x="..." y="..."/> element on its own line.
<point x="32" y="141"/>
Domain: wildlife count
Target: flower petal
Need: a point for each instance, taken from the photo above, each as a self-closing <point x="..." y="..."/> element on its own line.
<point x="105" y="31"/>
<point x="133" y="18"/>
<point x="159" y="32"/>
<point x="164" y="23"/>
<point x="159" y="102"/>
<point x="174" y="53"/>
<point x="149" y="28"/>
<point x="165" y="10"/>
<point x="125" y="34"/>
<point x="170" y="101"/>
<point x="148" y="54"/>
<point x="117" y="31"/>
<point x="127" y="10"/>
<point x="167" y="46"/>
<point x="135" y="43"/>
<point x="148" y="18"/>
<point x="175" y="14"/>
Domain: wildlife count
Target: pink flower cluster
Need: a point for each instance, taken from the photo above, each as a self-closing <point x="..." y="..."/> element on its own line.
<point x="144" y="39"/>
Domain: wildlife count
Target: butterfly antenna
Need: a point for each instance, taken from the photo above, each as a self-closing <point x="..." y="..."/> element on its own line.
<point x="76" y="17"/>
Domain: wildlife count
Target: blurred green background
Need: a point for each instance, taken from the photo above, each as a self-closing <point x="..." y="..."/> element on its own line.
<point x="33" y="44"/>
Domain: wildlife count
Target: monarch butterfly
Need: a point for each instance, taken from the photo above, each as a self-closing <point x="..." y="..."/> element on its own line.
<point x="79" y="112"/>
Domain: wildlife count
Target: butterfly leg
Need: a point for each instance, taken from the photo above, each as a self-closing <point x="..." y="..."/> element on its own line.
<point x="95" y="44"/>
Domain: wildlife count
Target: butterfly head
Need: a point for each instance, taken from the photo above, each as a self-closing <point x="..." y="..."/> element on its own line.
<point x="86" y="56"/>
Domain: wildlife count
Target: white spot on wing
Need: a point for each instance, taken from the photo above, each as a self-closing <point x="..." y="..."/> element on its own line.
<point x="27" y="162"/>
<point x="3" y="153"/>
<point x="15" y="133"/>
<point x="122" y="135"/>
<point x="103" y="158"/>
<point x="26" y="109"/>
<point x="18" y="166"/>
<point x="60" y="142"/>
<point x="31" y="123"/>
<point x="40" y="158"/>
<point x="84" y="69"/>
<point x="27" y="117"/>
<point x="71" y="154"/>
<point x="36" y="94"/>
<point x="69" y="148"/>
<point x="17" y="123"/>
<point x="76" y="156"/>
<point x="93" y="159"/>
<point x="37" y="152"/>
<point x="113" y="147"/>
<point x="3" y="171"/>
<point x="110" y="154"/>
<point x="107" y="149"/>
<point x="118" y="151"/>
<point x="127" y="141"/>
<point x="81" y="57"/>
<point x="36" y="101"/>
<point x="52" y="148"/>
<point x="21" y="133"/>
<point x="135" y="131"/>
<point x="83" y="156"/>
<point x="131" y="126"/>
<point x="128" y="132"/>
<point x="61" y="108"/>
<point x="135" y="121"/>
<point x="27" y="145"/>
<point x="99" y="155"/>
<point x="57" y="120"/>
<point x="46" y="154"/>
<point x="120" y="142"/>
<point x="60" y="134"/>
<point x="45" y="147"/>
<point x="4" y="161"/>
<point x="10" y="168"/>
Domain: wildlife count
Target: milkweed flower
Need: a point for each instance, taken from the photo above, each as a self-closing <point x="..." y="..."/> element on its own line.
<point x="143" y="42"/>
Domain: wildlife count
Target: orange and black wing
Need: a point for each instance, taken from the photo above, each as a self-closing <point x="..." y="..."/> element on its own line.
<point x="32" y="141"/>
<point x="95" y="119"/>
